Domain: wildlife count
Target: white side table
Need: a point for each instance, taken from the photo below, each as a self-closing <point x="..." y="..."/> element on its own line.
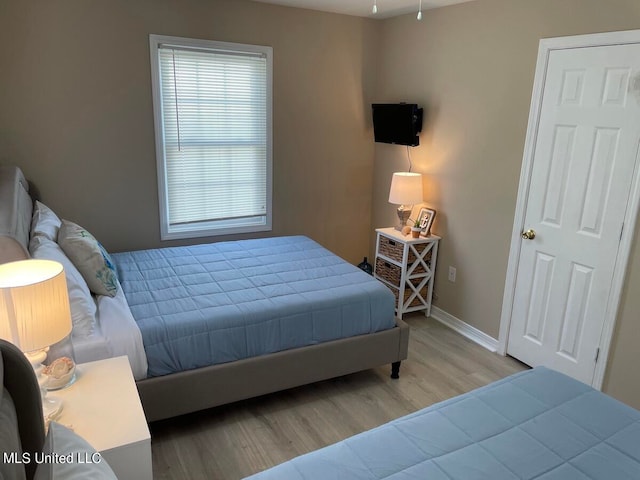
<point x="104" y="408"/>
<point x="407" y="266"/>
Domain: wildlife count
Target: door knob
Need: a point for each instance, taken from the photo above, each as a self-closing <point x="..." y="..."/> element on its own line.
<point x="529" y="234"/>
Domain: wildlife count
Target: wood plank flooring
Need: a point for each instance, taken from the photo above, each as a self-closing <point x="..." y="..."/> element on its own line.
<point x="234" y="441"/>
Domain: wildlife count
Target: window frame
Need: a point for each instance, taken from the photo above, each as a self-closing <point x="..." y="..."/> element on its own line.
<point x="167" y="232"/>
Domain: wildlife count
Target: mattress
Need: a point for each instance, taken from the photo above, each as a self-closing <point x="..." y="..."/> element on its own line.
<point x="536" y="424"/>
<point x="215" y="303"/>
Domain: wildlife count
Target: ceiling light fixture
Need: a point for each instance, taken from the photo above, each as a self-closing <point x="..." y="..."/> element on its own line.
<point x="374" y="9"/>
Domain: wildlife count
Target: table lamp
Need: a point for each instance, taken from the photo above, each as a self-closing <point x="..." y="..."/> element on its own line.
<point x="406" y="191"/>
<point x="35" y="316"/>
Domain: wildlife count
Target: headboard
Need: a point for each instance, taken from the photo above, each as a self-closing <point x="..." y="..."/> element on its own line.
<point x="16" y="208"/>
<point x="21" y="385"/>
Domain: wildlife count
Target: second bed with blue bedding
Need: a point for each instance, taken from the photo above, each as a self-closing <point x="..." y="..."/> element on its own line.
<point x="538" y="424"/>
<point x="216" y="303"/>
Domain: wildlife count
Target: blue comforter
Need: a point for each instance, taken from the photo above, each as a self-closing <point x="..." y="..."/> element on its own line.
<point x="214" y="303"/>
<point x="537" y="424"/>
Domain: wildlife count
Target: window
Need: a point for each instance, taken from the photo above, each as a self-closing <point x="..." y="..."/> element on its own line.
<point x="212" y="105"/>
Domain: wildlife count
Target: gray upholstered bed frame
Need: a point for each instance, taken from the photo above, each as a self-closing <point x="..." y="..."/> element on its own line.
<point x="21" y="385"/>
<point x="189" y="391"/>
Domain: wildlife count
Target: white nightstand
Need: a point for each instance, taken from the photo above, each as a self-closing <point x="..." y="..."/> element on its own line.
<point x="104" y="408"/>
<point x="407" y="266"/>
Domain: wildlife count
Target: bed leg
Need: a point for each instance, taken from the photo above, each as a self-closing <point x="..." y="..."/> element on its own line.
<point x="395" y="369"/>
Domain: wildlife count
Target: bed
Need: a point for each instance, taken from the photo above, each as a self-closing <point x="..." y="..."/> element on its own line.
<point x="196" y="322"/>
<point x="535" y="424"/>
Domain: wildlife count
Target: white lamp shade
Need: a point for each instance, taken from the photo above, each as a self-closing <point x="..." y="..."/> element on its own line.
<point x="406" y="188"/>
<point x="34" y="304"/>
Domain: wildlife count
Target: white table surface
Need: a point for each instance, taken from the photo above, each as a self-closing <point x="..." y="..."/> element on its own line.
<point x="104" y="408"/>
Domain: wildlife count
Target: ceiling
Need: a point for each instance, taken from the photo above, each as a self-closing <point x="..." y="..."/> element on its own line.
<point x="362" y="8"/>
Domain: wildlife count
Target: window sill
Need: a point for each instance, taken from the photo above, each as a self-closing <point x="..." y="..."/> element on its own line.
<point x="188" y="231"/>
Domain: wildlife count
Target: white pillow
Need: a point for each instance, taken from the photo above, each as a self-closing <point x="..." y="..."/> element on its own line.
<point x="85" y="462"/>
<point x="89" y="257"/>
<point x="83" y="306"/>
<point x="44" y="222"/>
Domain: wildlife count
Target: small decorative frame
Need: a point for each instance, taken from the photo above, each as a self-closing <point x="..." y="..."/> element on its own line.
<point x="426" y="220"/>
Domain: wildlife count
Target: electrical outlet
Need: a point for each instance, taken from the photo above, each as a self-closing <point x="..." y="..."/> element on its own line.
<point x="452" y="274"/>
<point x="435" y="296"/>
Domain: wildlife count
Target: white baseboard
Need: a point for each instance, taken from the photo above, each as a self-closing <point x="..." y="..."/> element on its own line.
<point x="464" y="329"/>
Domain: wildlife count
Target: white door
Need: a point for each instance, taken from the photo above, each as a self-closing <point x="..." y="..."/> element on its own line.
<point x="584" y="157"/>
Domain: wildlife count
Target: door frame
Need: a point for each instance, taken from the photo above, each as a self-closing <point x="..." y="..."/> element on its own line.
<point x="547" y="45"/>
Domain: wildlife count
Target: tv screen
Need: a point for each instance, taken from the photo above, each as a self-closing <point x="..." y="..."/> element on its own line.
<point x="397" y="123"/>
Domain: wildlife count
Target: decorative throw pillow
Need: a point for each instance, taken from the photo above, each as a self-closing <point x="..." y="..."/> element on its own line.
<point x="89" y="257"/>
<point x="85" y="462"/>
<point x="44" y="222"/>
<point x="83" y="306"/>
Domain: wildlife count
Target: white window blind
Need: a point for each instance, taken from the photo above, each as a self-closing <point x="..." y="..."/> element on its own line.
<point x="215" y="115"/>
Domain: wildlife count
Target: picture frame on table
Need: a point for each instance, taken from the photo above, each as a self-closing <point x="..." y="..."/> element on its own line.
<point x="426" y="220"/>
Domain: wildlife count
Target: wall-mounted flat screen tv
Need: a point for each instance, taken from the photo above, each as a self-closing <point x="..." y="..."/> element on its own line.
<point x="398" y="123"/>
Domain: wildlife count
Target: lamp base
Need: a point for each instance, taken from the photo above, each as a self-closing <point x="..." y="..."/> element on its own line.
<point x="404" y="212"/>
<point x="51" y="407"/>
<point x="60" y="365"/>
<point x="36" y="358"/>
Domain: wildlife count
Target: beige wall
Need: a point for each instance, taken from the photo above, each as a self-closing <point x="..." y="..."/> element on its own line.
<point x="76" y="111"/>
<point x="471" y="66"/>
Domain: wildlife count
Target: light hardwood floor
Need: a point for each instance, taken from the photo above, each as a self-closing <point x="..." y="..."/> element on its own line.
<point x="237" y="440"/>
